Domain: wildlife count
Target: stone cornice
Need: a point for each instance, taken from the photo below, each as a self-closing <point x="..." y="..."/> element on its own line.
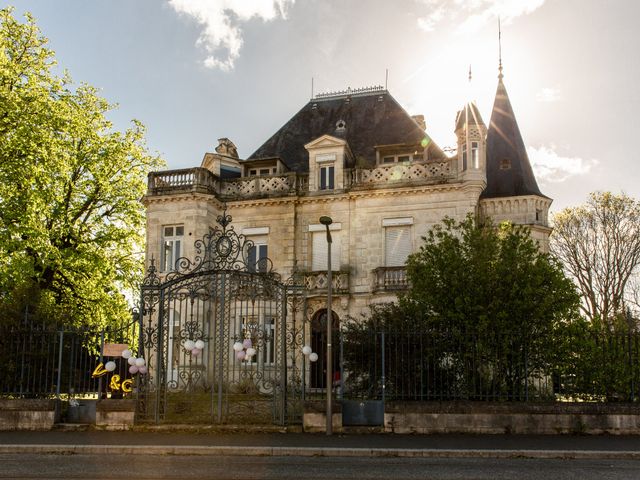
<point x="180" y="197"/>
<point x="536" y="198"/>
<point x="336" y="196"/>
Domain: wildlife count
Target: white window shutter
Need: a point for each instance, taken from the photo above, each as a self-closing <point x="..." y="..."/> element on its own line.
<point x="397" y="245"/>
<point x="319" y="254"/>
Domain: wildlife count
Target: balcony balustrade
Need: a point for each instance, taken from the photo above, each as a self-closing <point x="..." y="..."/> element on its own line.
<point x="318" y="282"/>
<point x="185" y="180"/>
<point x="389" y="279"/>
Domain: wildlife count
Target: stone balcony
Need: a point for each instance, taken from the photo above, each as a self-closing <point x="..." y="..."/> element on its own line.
<point x="201" y="180"/>
<point x="390" y="279"/>
<point x="265" y="186"/>
<point x="317" y="282"/>
<point x="395" y="174"/>
<point x="186" y="180"/>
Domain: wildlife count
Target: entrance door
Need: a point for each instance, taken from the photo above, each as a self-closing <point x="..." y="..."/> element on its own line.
<point x="319" y="345"/>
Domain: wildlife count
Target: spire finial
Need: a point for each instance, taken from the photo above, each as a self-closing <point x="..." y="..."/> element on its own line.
<point x="500" y="75"/>
<point x="470" y="73"/>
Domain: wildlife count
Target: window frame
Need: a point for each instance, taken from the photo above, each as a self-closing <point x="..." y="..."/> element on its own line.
<point x="174" y="243"/>
<point x="327" y="176"/>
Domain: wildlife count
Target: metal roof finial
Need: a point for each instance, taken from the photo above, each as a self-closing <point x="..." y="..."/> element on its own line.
<point x="500" y="75"/>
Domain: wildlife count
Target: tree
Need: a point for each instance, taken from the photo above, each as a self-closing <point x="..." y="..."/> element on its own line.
<point x="70" y="217"/>
<point x="599" y="245"/>
<point x="486" y="278"/>
<point x="486" y="312"/>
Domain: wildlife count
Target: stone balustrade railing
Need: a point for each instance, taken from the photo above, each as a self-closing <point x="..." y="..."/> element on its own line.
<point x="390" y="279"/>
<point x="410" y="172"/>
<point x="275" y="185"/>
<point x="202" y="180"/>
<point x="181" y="181"/>
<point x="319" y="281"/>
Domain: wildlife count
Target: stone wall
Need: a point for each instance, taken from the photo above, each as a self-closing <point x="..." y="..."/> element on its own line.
<point x="22" y="414"/>
<point x="481" y="418"/>
<point x="488" y="418"/>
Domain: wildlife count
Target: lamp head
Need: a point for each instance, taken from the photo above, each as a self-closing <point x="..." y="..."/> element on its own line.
<point x="326" y="221"/>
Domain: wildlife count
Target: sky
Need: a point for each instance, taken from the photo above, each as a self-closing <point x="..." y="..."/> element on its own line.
<point x="194" y="71"/>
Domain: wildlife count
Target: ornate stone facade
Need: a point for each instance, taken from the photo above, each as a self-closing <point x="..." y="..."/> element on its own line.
<point x="357" y="157"/>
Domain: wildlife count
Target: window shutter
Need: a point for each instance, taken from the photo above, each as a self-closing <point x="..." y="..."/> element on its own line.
<point x="319" y="254"/>
<point x="397" y="245"/>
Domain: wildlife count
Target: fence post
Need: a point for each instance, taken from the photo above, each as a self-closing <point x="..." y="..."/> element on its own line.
<point x="101" y="360"/>
<point x="384" y="386"/>
<point x="59" y="379"/>
<point x="632" y="383"/>
<point x="341" y="384"/>
<point x="526" y="372"/>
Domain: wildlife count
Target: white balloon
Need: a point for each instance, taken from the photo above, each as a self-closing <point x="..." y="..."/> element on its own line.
<point x="199" y="344"/>
<point x="251" y="352"/>
<point x="313" y="357"/>
<point x="131" y="360"/>
<point x="306" y="350"/>
<point x="238" y="346"/>
<point x="140" y="362"/>
<point x="189" y="345"/>
<point x="110" y="366"/>
<point x="126" y="353"/>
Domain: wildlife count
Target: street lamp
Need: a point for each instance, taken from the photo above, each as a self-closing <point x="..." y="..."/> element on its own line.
<point x="326" y="221"/>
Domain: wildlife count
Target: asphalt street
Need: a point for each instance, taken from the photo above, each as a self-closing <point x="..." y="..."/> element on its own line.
<point x="143" y="467"/>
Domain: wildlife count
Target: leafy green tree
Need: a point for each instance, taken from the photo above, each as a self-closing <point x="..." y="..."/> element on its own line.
<point x="501" y="301"/>
<point x="71" y="220"/>
<point x="485" y="314"/>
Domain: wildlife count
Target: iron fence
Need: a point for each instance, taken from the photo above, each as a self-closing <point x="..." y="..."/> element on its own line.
<point x="427" y="366"/>
<point x="46" y="361"/>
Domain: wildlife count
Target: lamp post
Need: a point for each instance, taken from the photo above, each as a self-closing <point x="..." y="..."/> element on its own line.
<point x="326" y="221"/>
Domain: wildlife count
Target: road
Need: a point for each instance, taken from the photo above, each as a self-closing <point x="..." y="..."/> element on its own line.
<point x="147" y="467"/>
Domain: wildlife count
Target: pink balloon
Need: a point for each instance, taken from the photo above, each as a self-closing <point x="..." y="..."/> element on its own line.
<point x="142" y="370"/>
<point x="246" y="343"/>
<point x="133" y="369"/>
<point x="195" y="352"/>
<point x="240" y="355"/>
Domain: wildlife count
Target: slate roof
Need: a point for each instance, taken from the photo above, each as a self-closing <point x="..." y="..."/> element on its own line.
<point x="505" y="146"/>
<point x="370" y="119"/>
<point x="470" y="110"/>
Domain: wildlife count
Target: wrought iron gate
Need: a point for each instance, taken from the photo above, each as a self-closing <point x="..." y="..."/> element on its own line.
<point x="219" y="343"/>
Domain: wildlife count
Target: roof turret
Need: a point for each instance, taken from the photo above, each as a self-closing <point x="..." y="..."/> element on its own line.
<point x="509" y="172"/>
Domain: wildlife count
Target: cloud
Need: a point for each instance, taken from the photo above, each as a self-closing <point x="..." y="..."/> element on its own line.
<point x="551" y="167"/>
<point x="428" y="23"/>
<point x="548" y="95"/>
<point x="471" y="15"/>
<point x="220" y="20"/>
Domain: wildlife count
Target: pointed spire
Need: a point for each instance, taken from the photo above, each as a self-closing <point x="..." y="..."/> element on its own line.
<point x="500" y="75"/>
<point x="470" y="73"/>
<point x="509" y="171"/>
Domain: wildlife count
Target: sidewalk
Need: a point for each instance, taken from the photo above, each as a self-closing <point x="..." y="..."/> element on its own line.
<point x="301" y="444"/>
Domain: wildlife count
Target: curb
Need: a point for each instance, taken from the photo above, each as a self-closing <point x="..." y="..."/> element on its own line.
<point x="261" y="451"/>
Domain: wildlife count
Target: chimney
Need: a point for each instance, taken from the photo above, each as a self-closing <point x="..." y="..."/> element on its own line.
<point x="419" y="119"/>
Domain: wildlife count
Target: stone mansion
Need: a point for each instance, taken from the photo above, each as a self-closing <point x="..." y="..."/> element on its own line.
<point x="360" y="158"/>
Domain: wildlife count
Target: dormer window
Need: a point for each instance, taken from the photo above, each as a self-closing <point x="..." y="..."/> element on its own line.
<point x="327" y="175"/>
<point x="401" y="158"/>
